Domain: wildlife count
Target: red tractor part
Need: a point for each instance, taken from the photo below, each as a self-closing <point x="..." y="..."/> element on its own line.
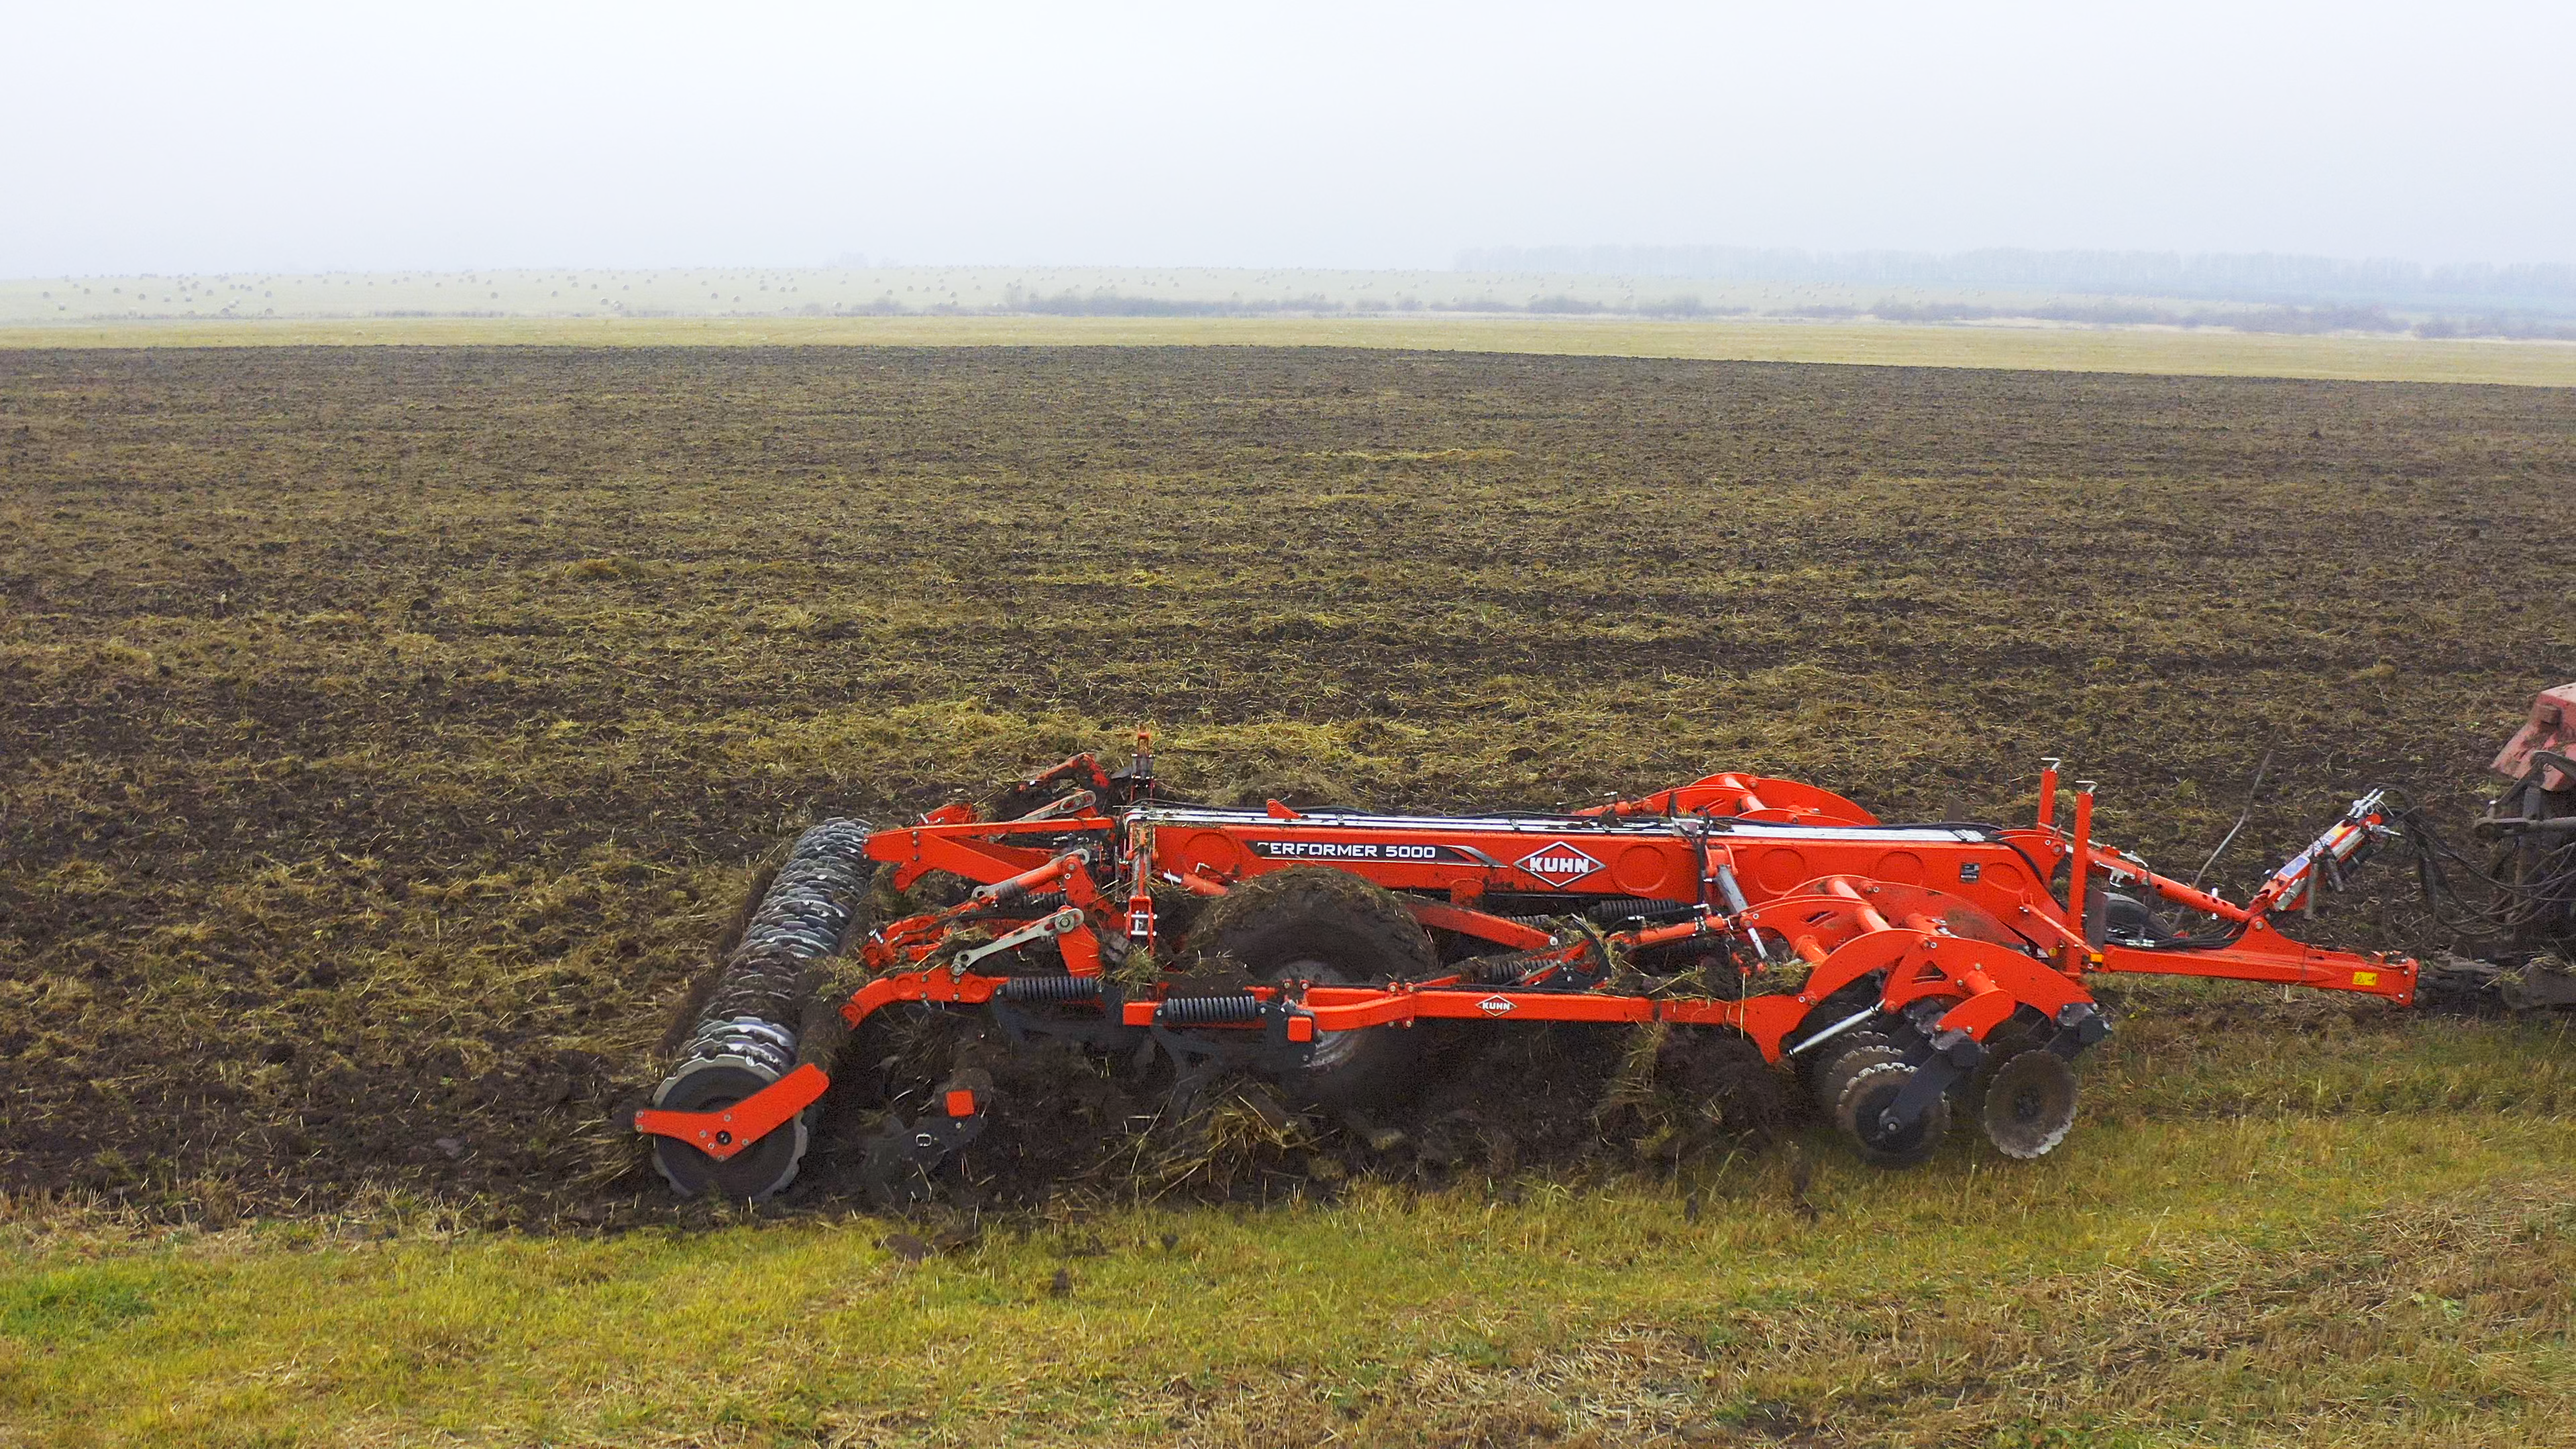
<point x="2529" y="875"/>
<point x="2550" y="731"/>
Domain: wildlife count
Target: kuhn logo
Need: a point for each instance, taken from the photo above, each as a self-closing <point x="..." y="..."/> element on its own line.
<point x="1559" y="864"/>
<point x="1496" y="1005"/>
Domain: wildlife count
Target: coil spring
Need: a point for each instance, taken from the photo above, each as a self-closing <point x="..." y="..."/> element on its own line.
<point x="1639" y="908"/>
<point x="1049" y="988"/>
<point x="1501" y="970"/>
<point x="1208" y="1010"/>
<point x="1026" y="908"/>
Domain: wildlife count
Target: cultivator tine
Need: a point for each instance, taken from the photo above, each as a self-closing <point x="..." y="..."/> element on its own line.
<point x="1284" y="1041"/>
<point x="898" y="1161"/>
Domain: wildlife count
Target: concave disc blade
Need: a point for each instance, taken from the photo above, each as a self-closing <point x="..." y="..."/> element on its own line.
<point x="2030" y="1104"/>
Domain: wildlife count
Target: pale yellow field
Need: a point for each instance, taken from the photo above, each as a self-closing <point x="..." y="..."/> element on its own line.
<point x="2199" y="352"/>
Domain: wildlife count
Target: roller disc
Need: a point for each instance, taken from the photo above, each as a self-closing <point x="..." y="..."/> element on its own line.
<point x="1846" y="1061"/>
<point x="2030" y="1104"/>
<point x="1872" y="1091"/>
<point x="749" y="1175"/>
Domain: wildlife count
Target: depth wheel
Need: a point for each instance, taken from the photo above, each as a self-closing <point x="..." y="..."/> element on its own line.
<point x="749" y="1175"/>
<point x="2030" y="1104"/>
<point x="1872" y="1091"/>
<point x="1314" y="923"/>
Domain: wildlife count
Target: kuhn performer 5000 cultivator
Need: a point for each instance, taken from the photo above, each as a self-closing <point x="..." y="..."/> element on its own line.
<point x="1909" y="973"/>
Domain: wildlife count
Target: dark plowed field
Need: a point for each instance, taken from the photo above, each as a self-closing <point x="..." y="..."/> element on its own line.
<point x="387" y="732"/>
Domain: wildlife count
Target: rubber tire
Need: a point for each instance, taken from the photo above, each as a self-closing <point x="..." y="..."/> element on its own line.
<point x="1332" y="926"/>
<point x="1868" y="1095"/>
<point x="2128" y="918"/>
<point x="749" y="1175"/>
<point x="2130" y="911"/>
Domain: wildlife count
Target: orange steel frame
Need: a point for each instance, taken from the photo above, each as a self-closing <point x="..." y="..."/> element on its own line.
<point x="1959" y="916"/>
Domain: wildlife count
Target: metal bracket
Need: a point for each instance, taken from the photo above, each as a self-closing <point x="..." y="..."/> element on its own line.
<point x="728" y="1130"/>
<point x="1927" y="1084"/>
<point x="1198" y="1058"/>
<point x="1107" y="1031"/>
<point x="1063" y="923"/>
<point x="2079" y="1025"/>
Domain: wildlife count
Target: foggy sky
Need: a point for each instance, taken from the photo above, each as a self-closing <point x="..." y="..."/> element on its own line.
<point x="273" y="137"/>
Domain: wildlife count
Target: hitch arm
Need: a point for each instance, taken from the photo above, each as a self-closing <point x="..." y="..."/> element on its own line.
<point x="2297" y="880"/>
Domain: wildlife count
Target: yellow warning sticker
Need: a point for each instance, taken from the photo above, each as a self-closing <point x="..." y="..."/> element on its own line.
<point x="2365" y="978"/>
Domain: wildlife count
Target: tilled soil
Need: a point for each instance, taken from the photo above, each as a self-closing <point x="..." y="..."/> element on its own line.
<point x="390" y="732"/>
<point x="1487" y="1104"/>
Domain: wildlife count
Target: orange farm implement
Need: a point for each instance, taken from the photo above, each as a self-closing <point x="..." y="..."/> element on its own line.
<point x="1905" y="973"/>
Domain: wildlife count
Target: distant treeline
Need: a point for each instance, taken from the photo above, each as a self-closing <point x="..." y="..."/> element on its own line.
<point x="2242" y="319"/>
<point x="2286" y="319"/>
<point x="1106" y="303"/>
<point x="2262" y="277"/>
